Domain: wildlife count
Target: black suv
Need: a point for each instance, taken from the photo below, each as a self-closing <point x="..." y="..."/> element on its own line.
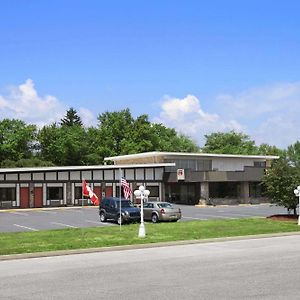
<point x="109" y="208"/>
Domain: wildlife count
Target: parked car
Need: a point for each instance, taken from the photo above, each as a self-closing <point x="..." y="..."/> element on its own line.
<point x="109" y="209"/>
<point x="161" y="211"/>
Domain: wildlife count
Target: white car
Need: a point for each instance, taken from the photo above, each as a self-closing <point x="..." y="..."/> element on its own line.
<point x="156" y="211"/>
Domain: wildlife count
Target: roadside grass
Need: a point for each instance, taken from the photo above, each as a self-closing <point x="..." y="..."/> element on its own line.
<point x="95" y="237"/>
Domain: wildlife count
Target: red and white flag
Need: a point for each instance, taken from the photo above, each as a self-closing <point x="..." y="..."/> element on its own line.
<point x="87" y="191"/>
<point x="126" y="188"/>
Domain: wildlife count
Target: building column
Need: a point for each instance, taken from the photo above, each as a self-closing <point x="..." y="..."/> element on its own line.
<point x="162" y="191"/>
<point x="245" y="192"/>
<point x="204" y="192"/>
<point x="31" y="194"/>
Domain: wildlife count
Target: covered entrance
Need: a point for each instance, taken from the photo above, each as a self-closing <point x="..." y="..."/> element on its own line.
<point x="182" y="193"/>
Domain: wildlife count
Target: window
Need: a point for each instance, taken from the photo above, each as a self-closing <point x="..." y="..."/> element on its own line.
<point x="260" y="164"/>
<point x="54" y="193"/>
<point x="255" y="189"/>
<point x="78" y="193"/>
<point x="192" y="164"/>
<point x="7" y="194"/>
<point x="224" y="189"/>
<point x="154" y="191"/>
<point x="124" y="203"/>
<point x="165" y="205"/>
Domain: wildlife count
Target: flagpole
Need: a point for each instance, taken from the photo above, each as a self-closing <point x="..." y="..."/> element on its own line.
<point x="120" y="175"/>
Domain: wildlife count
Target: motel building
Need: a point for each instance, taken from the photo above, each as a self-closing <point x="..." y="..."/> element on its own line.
<point x="184" y="178"/>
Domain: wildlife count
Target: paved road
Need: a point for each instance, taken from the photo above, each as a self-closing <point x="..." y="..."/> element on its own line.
<point x="265" y="268"/>
<point x="44" y="219"/>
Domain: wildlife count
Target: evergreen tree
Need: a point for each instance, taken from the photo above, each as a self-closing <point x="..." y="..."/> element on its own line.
<point x="71" y="118"/>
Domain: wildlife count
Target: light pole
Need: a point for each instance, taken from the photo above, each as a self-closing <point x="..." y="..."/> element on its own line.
<point x="142" y="193"/>
<point x="297" y="193"/>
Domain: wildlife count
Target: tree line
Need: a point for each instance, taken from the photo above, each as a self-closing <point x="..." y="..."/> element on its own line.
<point x="68" y="142"/>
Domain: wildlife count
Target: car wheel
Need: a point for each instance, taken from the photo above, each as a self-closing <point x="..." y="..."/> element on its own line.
<point x="102" y="217"/>
<point x="120" y="220"/>
<point x="154" y="218"/>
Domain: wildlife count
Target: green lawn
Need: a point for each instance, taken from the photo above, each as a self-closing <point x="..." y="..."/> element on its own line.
<point x="51" y="240"/>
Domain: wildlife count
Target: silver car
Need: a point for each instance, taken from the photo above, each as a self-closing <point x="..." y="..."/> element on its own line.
<point x="161" y="211"/>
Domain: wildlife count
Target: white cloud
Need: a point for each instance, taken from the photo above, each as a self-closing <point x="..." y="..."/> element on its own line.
<point x="271" y="113"/>
<point x="268" y="114"/>
<point x="187" y="116"/>
<point x="87" y="117"/>
<point x="24" y="103"/>
<point x="249" y="104"/>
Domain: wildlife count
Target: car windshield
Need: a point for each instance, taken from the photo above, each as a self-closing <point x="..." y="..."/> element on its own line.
<point x="165" y="205"/>
<point x="125" y="203"/>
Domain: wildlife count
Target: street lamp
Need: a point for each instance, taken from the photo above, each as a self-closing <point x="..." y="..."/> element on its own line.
<point x="297" y="193"/>
<point x="142" y="193"/>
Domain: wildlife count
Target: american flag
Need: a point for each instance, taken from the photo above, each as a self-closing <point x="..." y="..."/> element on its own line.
<point x="126" y="188"/>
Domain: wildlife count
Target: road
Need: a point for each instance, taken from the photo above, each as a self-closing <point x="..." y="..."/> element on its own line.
<point x="78" y="217"/>
<point x="266" y="268"/>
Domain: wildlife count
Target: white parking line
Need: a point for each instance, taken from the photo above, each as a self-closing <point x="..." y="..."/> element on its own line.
<point x="47" y="212"/>
<point x="239" y="215"/>
<point x="216" y="216"/>
<point x="92" y="222"/>
<point x="29" y="228"/>
<point x="62" y="224"/>
<point x="18" y="213"/>
<point x="194" y="218"/>
<point x="95" y="222"/>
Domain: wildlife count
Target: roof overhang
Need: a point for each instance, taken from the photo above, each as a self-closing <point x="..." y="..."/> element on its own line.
<point x="85" y="168"/>
<point x="184" y="154"/>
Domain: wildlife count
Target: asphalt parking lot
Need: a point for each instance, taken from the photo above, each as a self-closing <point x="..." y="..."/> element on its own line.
<point x="80" y="217"/>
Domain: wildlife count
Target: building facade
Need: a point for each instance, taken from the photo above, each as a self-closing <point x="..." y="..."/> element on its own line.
<point x="62" y="186"/>
<point x="187" y="178"/>
<point x="207" y="178"/>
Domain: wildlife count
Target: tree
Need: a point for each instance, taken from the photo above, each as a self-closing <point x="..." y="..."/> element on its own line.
<point x="265" y="149"/>
<point x="280" y="181"/>
<point x="170" y="140"/>
<point x="119" y="133"/>
<point x="71" y="118"/>
<point x="293" y="154"/>
<point x="229" y="143"/>
<point x="16" y="139"/>
<point x="114" y="129"/>
<point x="25" y="163"/>
<point x="63" y="145"/>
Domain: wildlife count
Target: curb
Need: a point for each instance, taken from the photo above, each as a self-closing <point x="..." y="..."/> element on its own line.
<point x="232" y="205"/>
<point x="142" y="246"/>
<point x="45" y="208"/>
<point x="92" y="207"/>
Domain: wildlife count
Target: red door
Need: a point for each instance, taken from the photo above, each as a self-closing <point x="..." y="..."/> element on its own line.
<point x="38" y="197"/>
<point x="24" y="197"/>
<point x="97" y="191"/>
<point x="108" y="191"/>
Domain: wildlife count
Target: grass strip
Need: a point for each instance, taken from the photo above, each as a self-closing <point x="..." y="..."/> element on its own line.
<point x="94" y="237"/>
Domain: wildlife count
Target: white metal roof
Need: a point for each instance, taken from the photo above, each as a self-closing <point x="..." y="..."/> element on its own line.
<point x="184" y="154"/>
<point x="84" y="168"/>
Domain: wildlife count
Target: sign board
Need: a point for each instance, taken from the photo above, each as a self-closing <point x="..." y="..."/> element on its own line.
<point x="180" y="174"/>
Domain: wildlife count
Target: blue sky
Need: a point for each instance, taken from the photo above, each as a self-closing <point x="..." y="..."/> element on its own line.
<point x="197" y="66"/>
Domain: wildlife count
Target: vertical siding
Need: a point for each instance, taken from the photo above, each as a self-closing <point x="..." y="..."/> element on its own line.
<point x="38" y="197"/>
<point x="24" y="197"/>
